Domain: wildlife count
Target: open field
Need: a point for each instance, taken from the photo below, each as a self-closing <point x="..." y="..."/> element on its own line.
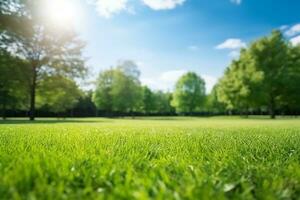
<point x="160" y="158"/>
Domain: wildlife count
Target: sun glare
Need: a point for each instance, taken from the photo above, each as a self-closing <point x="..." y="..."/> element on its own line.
<point x="61" y="12"/>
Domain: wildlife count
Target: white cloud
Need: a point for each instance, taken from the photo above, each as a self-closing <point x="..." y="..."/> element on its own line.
<point x="107" y="8"/>
<point x="232" y="43"/>
<point x="234" y="54"/>
<point x="157" y="84"/>
<point x="296" y="40"/>
<point x="193" y="48"/>
<point x="172" y="76"/>
<point x="294" y="30"/>
<point x="166" y="80"/>
<point x="153" y="84"/>
<point x="210" y="82"/>
<point x="163" y="4"/>
<point x="237" y="2"/>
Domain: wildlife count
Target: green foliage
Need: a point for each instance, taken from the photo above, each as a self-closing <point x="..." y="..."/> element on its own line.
<point x="265" y="75"/>
<point x="189" y="94"/>
<point x="156" y="102"/>
<point x="291" y="96"/>
<point x="102" y="95"/>
<point x="163" y="102"/>
<point x="148" y="98"/>
<point x="39" y="44"/>
<point x="58" y="94"/>
<point x="270" y="55"/>
<point x="85" y="106"/>
<point x="11" y="21"/>
<point x="213" y="103"/>
<point x="126" y="88"/>
<point x="13" y="83"/>
<point x="158" y="158"/>
<point x="239" y="87"/>
<point x="119" y="89"/>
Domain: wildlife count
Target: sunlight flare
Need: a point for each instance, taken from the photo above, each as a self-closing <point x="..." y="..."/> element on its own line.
<point x="61" y="12"/>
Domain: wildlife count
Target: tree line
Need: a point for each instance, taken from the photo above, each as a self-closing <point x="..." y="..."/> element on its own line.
<point x="41" y="66"/>
<point x="265" y="77"/>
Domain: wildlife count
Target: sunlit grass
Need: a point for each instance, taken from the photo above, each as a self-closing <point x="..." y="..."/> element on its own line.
<point x="161" y="158"/>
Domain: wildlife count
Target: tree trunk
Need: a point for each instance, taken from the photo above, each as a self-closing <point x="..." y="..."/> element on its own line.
<point x="132" y="114"/>
<point x="72" y="113"/>
<point x="247" y="112"/>
<point x="272" y="114"/>
<point x="272" y="109"/>
<point x="241" y="112"/>
<point x="4" y="109"/>
<point x="32" y="93"/>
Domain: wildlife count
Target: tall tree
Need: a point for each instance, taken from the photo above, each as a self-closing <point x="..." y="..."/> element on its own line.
<point x="126" y="89"/>
<point x="48" y="50"/>
<point x="119" y="89"/>
<point x="102" y="96"/>
<point x="239" y="88"/>
<point x="265" y="75"/>
<point x="189" y="93"/>
<point x="13" y="86"/>
<point x="270" y="55"/>
<point x="291" y="95"/>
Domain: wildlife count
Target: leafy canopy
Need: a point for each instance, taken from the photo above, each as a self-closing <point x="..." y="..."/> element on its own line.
<point x="189" y="94"/>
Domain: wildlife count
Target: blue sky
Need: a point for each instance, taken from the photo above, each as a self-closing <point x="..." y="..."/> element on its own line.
<point x="166" y="38"/>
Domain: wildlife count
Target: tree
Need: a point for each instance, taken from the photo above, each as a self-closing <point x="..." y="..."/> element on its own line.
<point x="126" y="88"/>
<point x="85" y="106"/>
<point x="57" y="93"/>
<point x="213" y="104"/>
<point x="11" y="73"/>
<point x="148" y="98"/>
<point x="189" y="93"/>
<point x="102" y="96"/>
<point x="163" y="102"/>
<point x="270" y="56"/>
<point x="156" y="102"/>
<point x="291" y="96"/>
<point x="119" y="89"/>
<point x="13" y="86"/>
<point x="10" y="20"/>
<point x="48" y="51"/>
<point x="239" y="88"/>
<point x="266" y="74"/>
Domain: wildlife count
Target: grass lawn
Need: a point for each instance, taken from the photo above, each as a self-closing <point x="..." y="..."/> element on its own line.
<point x="150" y="158"/>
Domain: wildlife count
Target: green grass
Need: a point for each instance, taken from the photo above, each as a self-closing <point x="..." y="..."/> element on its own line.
<point x="150" y="158"/>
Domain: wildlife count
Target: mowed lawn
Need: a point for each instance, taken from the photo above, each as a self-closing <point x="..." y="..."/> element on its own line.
<point x="150" y="158"/>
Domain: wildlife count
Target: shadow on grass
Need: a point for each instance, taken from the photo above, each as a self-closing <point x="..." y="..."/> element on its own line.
<point x="171" y="118"/>
<point x="267" y="117"/>
<point x="167" y="118"/>
<point x="51" y="121"/>
<point x="220" y="117"/>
